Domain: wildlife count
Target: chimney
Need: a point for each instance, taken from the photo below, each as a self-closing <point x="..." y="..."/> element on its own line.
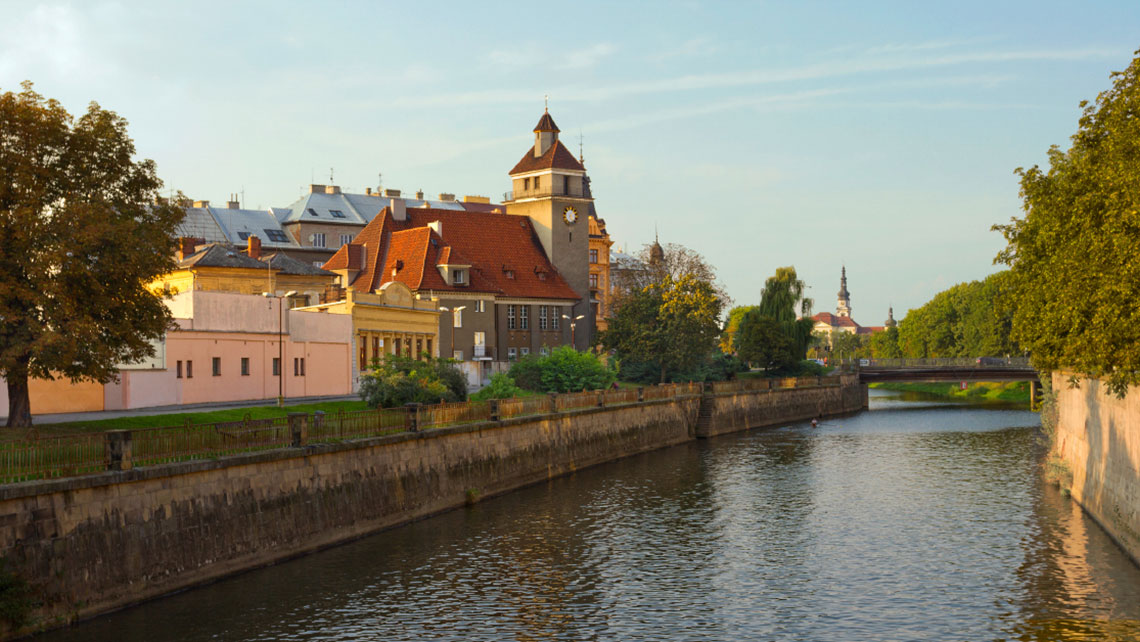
<point x="420" y="194"/>
<point x="399" y="209"/>
<point x="368" y="191"/>
<point x="186" y="247"/>
<point x="254" y="247"/>
<point x="316" y="189"/>
<point x="201" y="204"/>
<point x="477" y="199"/>
<point x="446" y="197"/>
<point x="332" y="189"/>
<point x="392" y="193"/>
<point x="233" y="205"/>
<point x="437" y="227"/>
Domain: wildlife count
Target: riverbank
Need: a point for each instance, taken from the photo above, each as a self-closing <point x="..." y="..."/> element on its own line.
<point x="1010" y="392"/>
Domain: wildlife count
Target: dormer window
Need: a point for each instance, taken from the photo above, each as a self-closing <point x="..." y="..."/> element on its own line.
<point x="459" y="277"/>
<point x="510" y="274"/>
<point x="337" y="213"/>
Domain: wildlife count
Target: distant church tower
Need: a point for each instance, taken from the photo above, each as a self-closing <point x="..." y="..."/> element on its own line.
<point x="891" y="323"/>
<point x="549" y="186"/>
<point x="843" y="309"/>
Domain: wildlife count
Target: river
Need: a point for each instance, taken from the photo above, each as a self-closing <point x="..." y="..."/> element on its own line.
<point x="915" y="520"/>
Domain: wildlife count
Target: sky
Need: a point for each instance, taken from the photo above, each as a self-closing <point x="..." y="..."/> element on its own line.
<point x="882" y="136"/>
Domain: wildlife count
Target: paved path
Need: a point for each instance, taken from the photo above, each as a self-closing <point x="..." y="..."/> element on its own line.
<point x="65" y="417"/>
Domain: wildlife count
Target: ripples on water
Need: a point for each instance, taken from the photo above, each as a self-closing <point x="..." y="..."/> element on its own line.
<point x="914" y="521"/>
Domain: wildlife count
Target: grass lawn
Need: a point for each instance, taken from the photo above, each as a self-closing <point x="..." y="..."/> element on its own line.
<point x="157" y="421"/>
<point x="1017" y="392"/>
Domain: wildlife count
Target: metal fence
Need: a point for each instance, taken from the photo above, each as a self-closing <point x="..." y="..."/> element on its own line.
<point x="71" y="455"/>
<point x="946" y="362"/>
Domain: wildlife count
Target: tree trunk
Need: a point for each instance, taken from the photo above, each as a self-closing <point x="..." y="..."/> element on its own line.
<point x="662" y="373"/>
<point x="19" y="406"/>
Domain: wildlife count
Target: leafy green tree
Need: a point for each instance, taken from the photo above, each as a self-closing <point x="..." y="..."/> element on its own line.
<point x="80" y="238"/>
<point x="396" y="380"/>
<point x="567" y="370"/>
<point x="762" y="341"/>
<point x="674" y="323"/>
<point x="783" y="300"/>
<point x="965" y="320"/>
<point x="885" y="344"/>
<point x="728" y="337"/>
<point x="527" y="373"/>
<point x="848" y="345"/>
<point x="1075" y="273"/>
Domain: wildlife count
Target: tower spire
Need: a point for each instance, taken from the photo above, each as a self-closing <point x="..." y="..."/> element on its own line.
<point x="843" y="308"/>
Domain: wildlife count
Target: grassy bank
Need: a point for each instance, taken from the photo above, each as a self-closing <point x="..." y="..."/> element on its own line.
<point x="1015" y="392"/>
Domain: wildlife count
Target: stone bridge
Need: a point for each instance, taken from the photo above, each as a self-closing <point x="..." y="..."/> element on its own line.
<point x="957" y="369"/>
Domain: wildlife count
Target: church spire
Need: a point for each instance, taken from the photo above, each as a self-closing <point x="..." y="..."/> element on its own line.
<point x="843" y="308"/>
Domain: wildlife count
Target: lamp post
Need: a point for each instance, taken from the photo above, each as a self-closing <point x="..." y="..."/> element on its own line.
<point x="573" y="324"/>
<point x="280" y="342"/>
<point x="451" y="332"/>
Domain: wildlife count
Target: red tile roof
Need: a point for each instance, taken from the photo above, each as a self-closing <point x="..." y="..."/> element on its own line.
<point x="835" y="321"/>
<point x="557" y="157"/>
<point x="546" y="124"/>
<point x="484" y="241"/>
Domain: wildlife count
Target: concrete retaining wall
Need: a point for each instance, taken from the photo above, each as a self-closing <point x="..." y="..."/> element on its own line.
<point x="95" y="543"/>
<point x="735" y="411"/>
<point x="1098" y="437"/>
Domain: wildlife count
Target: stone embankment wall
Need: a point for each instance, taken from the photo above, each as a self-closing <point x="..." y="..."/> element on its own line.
<point x="733" y="411"/>
<point x="1098" y="437"/>
<point x="95" y="543"/>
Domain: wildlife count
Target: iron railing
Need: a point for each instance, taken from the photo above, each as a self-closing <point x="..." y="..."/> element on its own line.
<point x="72" y="455"/>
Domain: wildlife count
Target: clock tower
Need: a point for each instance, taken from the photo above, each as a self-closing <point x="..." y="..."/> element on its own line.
<point x="549" y="187"/>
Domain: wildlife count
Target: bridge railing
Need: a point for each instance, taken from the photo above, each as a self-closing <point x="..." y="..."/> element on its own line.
<point x="949" y="362"/>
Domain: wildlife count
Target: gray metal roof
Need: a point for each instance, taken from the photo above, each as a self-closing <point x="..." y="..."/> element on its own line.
<point x="358" y="209"/>
<point x="289" y="265"/>
<point x="219" y="255"/>
<point x="239" y="225"/>
<point x="200" y="224"/>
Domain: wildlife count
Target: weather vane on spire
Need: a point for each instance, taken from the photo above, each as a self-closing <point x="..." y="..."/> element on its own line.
<point x="581" y="158"/>
<point x="546" y="101"/>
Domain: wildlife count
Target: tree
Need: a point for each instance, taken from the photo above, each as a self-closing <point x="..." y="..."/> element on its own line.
<point x="677" y="261"/>
<point x="80" y="237"/>
<point x="396" y="380"/>
<point x="731" y="326"/>
<point x="885" y="344"/>
<point x="848" y="345"/>
<point x="674" y="323"/>
<point x="761" y="341"/>
<point x="1075" y="273"/>
<point x="965" y="320"/>
<point x="783" y="300"/>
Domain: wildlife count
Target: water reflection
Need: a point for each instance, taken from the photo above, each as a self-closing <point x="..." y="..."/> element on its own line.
<point x="908" y="522"/>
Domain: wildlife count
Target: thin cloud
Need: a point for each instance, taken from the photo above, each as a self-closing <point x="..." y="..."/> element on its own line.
<point x="587" y="58"/>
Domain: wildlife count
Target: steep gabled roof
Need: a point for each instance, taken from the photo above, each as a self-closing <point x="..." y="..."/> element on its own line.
<point x="835" y="321"/>
<point x="557" y="157"/>
<point x="411" y="252"/>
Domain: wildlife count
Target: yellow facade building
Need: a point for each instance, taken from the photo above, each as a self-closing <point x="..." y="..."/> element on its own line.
<point x="600" y="288"/>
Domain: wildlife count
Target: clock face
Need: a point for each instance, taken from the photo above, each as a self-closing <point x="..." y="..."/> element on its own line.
<point x="569" y="215"/>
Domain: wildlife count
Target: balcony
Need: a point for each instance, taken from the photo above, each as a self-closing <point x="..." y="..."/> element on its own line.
<point x="482" y="353"/>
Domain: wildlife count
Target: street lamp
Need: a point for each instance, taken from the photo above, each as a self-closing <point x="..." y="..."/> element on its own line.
<point x="573" y="323"/>
<point x="280" y="342"/>
<point x="451" y="333"/>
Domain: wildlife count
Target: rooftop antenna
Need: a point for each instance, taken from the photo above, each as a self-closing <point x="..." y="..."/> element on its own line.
<point x="331" y="181"/>
<point x="243" y="197"/>
<point x="546" y="99"/>
<point x="379" y="181"/>
<point x="581" y="158"/>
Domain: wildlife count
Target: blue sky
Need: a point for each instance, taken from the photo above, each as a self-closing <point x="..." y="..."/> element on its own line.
<point x="878" y="135"/>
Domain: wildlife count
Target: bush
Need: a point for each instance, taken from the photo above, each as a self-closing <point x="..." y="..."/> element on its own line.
<point x="567" y="370"/>
<point x="501" y="387"/>
<point x="527" y="373"/>
<point x="717" y="367"/>
<point x="398" y="380"/>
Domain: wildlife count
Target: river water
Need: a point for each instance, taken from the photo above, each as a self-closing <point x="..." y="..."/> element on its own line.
<point x="911" y="521"/>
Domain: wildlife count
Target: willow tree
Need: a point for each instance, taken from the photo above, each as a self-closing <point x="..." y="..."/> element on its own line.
<point x="783" y="300"/>
<point x="80" y="237"/>
<point x="1075" y="256"/>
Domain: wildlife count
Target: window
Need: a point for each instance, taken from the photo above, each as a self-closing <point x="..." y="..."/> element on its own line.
<point x="594" y="281"/>
<point x="565" y="184"/>
<point x="189" y="369"/>
<point x="319" y="239"/>
<point x="480" y="338"/>
<point x="276" y="367"/>
<point x="179" y="370"/>
<point x="593" y="256"/>
<point x="536" y="182"/>
<point x="217" y="366"/>
<point x="510" y="317"/>
<point x="419" y="348"/>
<point x="245" y="366"/>
<point x="244" y="236"/>
<point x="277" y="236"/>
<point x="318" y="263"/>
<point x="512" y="354"/>
<point x="430" y="353"/>
<point x="363" y="356"/>
<point x="457" y="318"/>
<point x="556" y="316"/>
<point x="526" y="183"/>
<point x="510" y="274"/>
<point x="408" y="347"/>
<point x="479" y="307"/>
<point x="545" y="351"/>
<point x="524" y="313"/>
<point x="336" y="213"/>
<point x="345" y="239"/>
<point x="298" y="366"/>
<point x="542" y="317"/>
<point x="457" y="355"/>
<point x="302" y="366"/>
<point x="312" y="212"/>
<point x="524" y="351"/>
<point x="541" y="276"/>
<point x="459" y="276"/>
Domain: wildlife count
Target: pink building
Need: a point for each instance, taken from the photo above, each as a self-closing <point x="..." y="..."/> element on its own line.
<point x="227" y="347"/>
